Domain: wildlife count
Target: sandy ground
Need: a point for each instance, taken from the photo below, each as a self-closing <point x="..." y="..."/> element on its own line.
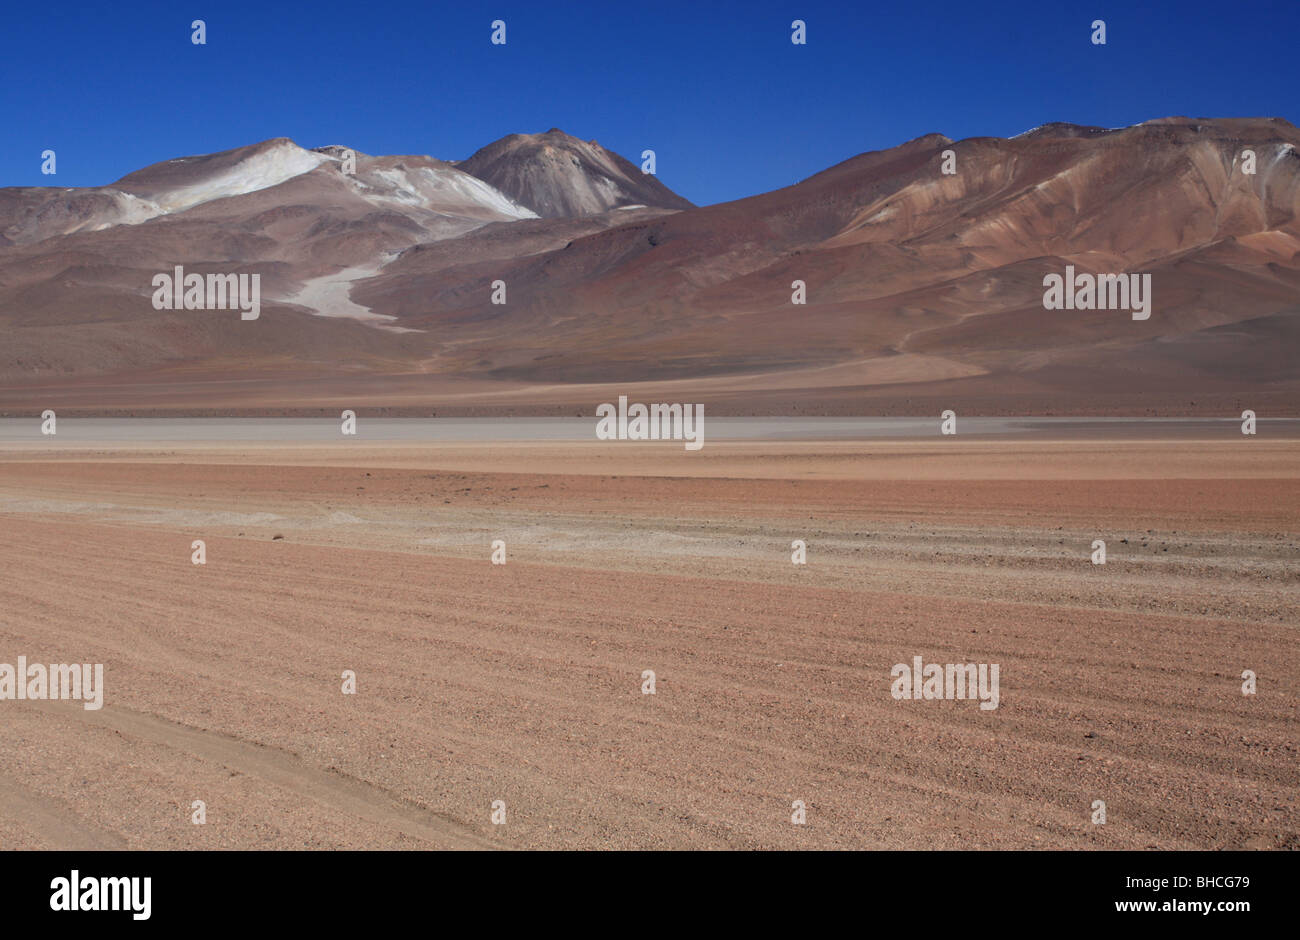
<point x="253" y="385"/>
<point x="478" y="682"/>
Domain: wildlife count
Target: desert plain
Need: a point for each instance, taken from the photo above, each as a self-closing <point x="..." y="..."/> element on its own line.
<point x="523" y="682"/>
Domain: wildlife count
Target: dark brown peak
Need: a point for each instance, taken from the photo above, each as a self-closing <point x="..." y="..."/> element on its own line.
<point x="873" y="158"/>
<point x="1234" y="123"/>
<point x="1255" y="130"/>
<point x="554" y="137"/>
<point x="1173" y="125"/>
<point x="932" y="139"/>
<point x="557" y="175"/>
<point x="1063" y="129"/>
<point x="1179" y="120"/>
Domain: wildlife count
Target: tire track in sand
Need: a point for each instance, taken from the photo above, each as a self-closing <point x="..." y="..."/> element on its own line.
<point x="284" y="770"/>
<point x="53" y="821"/>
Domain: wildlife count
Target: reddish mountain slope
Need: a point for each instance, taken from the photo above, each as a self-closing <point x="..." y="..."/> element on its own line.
<point x="921" y="286"/>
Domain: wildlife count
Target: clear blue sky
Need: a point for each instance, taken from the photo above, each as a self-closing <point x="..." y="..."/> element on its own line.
<point x="731" y="107"/>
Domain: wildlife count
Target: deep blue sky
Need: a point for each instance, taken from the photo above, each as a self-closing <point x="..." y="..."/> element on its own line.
<point x="731" y="107"/>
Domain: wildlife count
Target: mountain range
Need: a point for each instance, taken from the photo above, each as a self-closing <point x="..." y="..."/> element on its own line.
<point x="922" y="269"/>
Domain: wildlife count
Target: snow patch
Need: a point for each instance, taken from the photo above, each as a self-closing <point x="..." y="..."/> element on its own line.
<point x="441" y="190"/>
<point x="331" y="296"/>
<point x="277" y="164"/>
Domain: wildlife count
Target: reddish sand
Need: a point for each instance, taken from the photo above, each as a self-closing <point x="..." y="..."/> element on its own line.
<point x="522" y="682"/>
